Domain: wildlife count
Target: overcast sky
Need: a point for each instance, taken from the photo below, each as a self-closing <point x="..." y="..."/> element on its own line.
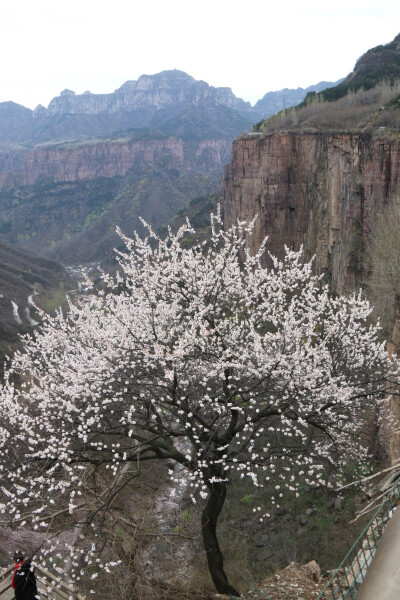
<point x="251" y="46"/>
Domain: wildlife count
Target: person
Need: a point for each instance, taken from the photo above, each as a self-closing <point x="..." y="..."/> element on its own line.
<point x="23" y="580"/>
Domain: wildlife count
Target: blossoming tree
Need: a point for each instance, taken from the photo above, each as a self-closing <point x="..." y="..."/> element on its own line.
<point x="198" y="355"/>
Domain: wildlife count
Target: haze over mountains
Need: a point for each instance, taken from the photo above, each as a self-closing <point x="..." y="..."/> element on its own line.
<point x="168" y="103"/>
<point x="71" y="173"/>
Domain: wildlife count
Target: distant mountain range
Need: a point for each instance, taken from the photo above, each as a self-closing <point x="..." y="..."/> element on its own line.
<point x="273" y="102"/>
<point x="168" y="103"/>
<point x="72" y="172"/>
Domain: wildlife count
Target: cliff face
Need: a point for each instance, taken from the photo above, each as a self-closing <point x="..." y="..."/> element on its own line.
<point x="318" y="190"/>
<point x="107" y="159"/>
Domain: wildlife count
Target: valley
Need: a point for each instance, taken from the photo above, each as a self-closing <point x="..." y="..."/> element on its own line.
<point x="71" y="173"/>
<point x="170" y="392"/>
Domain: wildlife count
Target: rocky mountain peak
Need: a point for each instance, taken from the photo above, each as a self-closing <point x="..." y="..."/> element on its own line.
<point x="40" y="110"/>
<point x="152" y="91"/>
<point x="162" y="80"/>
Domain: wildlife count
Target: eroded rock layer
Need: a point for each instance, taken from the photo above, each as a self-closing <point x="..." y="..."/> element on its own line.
<point x="66" y="201"/>
<point x="317" y="190"/>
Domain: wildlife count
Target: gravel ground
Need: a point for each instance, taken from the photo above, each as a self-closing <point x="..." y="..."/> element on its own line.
<point x="291" y="583"/>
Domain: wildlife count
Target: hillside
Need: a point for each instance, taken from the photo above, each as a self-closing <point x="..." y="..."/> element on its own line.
<point x="22" y="275"/>
<point x="67" y="201"/>
<point x="367" y="99"/>
<point x="274" y="102"/>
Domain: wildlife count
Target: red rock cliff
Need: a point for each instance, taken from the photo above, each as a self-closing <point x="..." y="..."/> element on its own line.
<point x="88" y="161"/>
<point x="314" y="189"/>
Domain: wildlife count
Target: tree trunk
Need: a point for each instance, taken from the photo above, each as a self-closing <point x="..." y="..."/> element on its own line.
<point x="209" y="520"/>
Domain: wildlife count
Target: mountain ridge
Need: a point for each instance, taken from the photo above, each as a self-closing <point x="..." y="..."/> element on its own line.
<point x="71" y="173"/>
<point x="159" y="90"/>
<point x="153" y="102"/>
<point x="275" y="101"/>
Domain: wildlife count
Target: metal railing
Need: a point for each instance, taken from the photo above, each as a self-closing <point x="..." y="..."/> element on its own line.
<point x="50" y="586"/>
<point x="348" y="577"/>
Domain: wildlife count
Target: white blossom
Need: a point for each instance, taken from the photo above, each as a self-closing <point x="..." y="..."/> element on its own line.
<point x="203" y="356"/>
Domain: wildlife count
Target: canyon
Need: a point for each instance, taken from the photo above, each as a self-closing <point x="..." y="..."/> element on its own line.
<point x="89" y="163"/>
<point x="71" y="173"/>
<point x="86" y="162"/>
<point x="66" y="201"/>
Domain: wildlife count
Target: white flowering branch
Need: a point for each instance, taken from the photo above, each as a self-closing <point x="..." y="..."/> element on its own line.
<point x="202" y="356"/>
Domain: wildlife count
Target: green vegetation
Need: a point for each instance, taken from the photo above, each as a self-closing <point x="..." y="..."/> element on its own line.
<point x="77" y="221"/>
<point x="377" y="65"/>
<point x="360" y="111"/>
<point x="300" y="529"/>
<point x="368" y="97"/>
<point x="52" y="299"/>
<point x="394" y="103"/>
